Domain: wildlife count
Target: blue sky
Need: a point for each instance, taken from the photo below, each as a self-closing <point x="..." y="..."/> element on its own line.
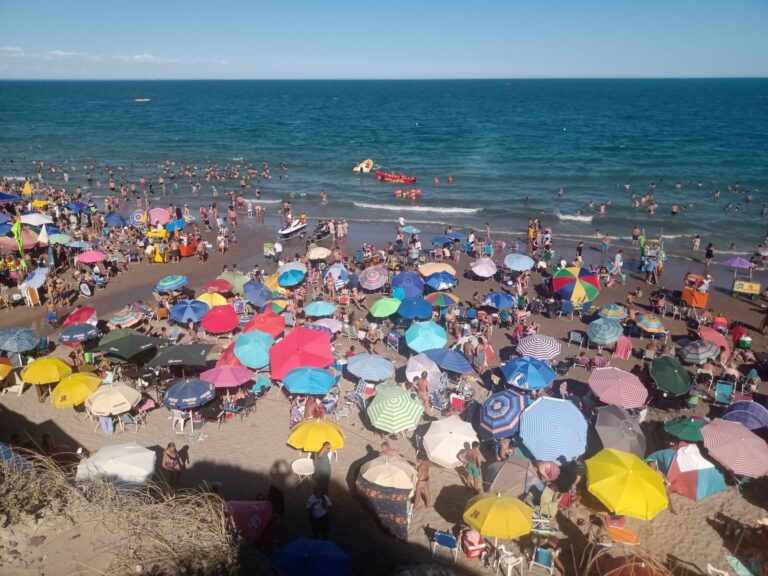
<point x="386" y="39"/>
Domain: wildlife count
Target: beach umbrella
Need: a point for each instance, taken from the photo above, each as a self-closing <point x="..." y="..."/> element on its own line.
<point x="394" y="410"/>
<point x="293" y="265"/>
<point x="446" y="438"/>
<point x="304" y="556"/>
<point x="617" y="429"/>
<point x="650" y="323"/>
<point x="688" y="429"/>
<point x="736" y="447"/>
<point x="170" y="283"/>
<point x="45" y="371"/>
<point x="227" y="376"/>
<point x="451" y="360"/>
<point x="28" y="241"/>
<point x="500" y="414"/>
<point x="12" y="459"/>
<point x="528" y="373"/>
<point x="430" y="268"/>
<point x="539" y="346"/>
<point x="753" y="415"/>
<point x="268" y="322"/>
<point x="331" y="324"/>
<point x="318" y="253"/>
<point x="252" y="349"/>
<point x="86" y="314"/>
<point x="76" y="207"/>
<point x="290" y="278"/>
<point x="484" y="267"/>
<point x="440" y="281"/>
<point x="711" y="335"/>
<point x="670" y="376"/>
<point x="552" y="427"/>
<point x="370" y="367"/>
<point x="220" y="319"/>
<point x="409" y="284"/>
<point x="576" y="284"/>
<point x="189" y="393"/>
<point x="613" y="311"/>
<point x="441" y="240"/>
<point x="112" y="400"/>
<point x="36" y="219"/>
<point x="419" y="363"/>
<point x="698" y="352"/>
<point x="499" y="516"/>
<point x="688" y="472"/>
<point x="6" y="366"/>
<point x="18" y="339"/>
<point x="114" y="220"/>
<point x="216" y="285"/>
<point x="422" y="336"/>
<point x="415" y="308"/>
<point x="159" y="216"/>
<point x="308" y="380"/>
<point x="384" y="307"/>
<point x="338" y="273"/>
<point x="518" y="262"/>
<point x="617" y="387"/>
<point x="127" y="343"/>
<point x="625" y="484"/>
<point x="91" y="257"/>
<point x="59" y="239"/>
<point x="187" y="355"/>
<point x="319" y="308"/>
<point x="126" y="318"/>
<point x="76" y="333"/>
<point x="409" y="229"/>
<point x="137" y="219"/>
<point x="604" y="331"/>
<point x="36" y="278"/>
<point x="302" y="347"/>
<point x="74" y="389"/>
<point x="79" y="244"/>
<point x="174" y="225"/>
<point x="515" y="475"/>
<point x="256" y="293"/>
<point x="236" y="279"/>
<point x="373" y="278"/>
<point x="442" y="299"/>
<point x="187" y="310"/>
<point x="738" y="262"/>
<point x="389" y="472"/>
<point x="276" y="305"/>
<point x="124" y="464"/>
<point x="212" y="299"/>
<point x="310" y="434"/>
<point x="228" y="358"/>
<point x="500" y="300"/>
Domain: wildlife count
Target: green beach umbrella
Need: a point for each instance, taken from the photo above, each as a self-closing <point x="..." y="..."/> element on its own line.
<point x="59" y="239"/>
<point x="670" y="375"/>
<point x="187" y="355"/>
<point x="393" y="409"/>
<point x="128" y="344"/>
<point x="442" y="299"/>
<point x="236" y="279"/>
<point x="384" y="307"/>
<point x="604" y="331"/>
<point x="688" y="429"/>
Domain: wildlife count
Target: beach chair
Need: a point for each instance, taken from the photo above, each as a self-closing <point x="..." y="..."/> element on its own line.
<point x="544" y="558"/>
<point x="126" y="419"/>
<point x="575" y="336"/>
<point x="173" y="337"/>
<point x="18" y="387"/>
<point x="446" y="540"/>
<point x="393" y="340"/>
<point x="240" y="306"/>
<point x="437" y="402"/>
<point x="621" y="535"/>
<point x="724" y="394"/>
<point x="509" y="560"/>
<point x="566" y="308"/>
<point x="32" y="297"/>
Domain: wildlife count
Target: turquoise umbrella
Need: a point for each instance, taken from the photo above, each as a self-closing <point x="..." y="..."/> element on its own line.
<point x="172" y="282"/>
<point x="319" y="308"/>
<point x="252" y="348"/>
<point x="423" y="336"/>
<point x="604" y="331"/>
<point x="290" y="277"/>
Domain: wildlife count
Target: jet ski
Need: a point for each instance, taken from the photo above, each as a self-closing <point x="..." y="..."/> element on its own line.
<point x="322" y="231"/>
<point x="293" y="229"/>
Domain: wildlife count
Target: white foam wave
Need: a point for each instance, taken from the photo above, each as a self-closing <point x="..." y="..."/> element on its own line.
<point x="576" y="217"/>
<point x="267" y="201"/>
<point x="396" y="208"/>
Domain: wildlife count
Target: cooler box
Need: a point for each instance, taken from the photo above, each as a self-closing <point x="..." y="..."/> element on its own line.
<point x="745" y="342"/>
<point x="370" y="389"/>
<point x="472" y="544"/>
<point x="458" y="402"/>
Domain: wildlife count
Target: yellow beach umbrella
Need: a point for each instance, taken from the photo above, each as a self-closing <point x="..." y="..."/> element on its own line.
<point x="46" y="371"/>
<point x="625" y="484"/>
<point x="212" y="299"/>
<point x="40" y="203"/>
<point x="5" y="368"/>
<point x="499" y="516"/>
<point x="157" y="233"/>
<point x="273" y="285"/>
<point x="27" y="189"/>
<point x="435" y="267"/>
<point x="311" y="434"/>
<point x="74" y="389"/>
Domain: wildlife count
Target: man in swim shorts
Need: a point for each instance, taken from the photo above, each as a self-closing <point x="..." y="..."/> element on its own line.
<point x="472" y="461"/>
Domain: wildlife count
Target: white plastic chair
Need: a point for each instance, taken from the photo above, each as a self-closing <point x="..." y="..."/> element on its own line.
<point x="509" y="560"/>
<point x="18" y="387"/>
<point x="180" y="417"/>
<point x="712" y="571"/>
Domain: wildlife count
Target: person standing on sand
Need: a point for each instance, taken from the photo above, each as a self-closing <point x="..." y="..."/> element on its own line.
<point x="421" y="490"/>
<point x="322" y="474"/>
<point x="171" y="463"/>
<point x="422" y="388"/>
<point x="473" y="461"/>
<point x="318" y="506"/>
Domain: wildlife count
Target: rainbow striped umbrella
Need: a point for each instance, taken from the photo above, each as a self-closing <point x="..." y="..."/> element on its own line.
<point x="500" y="414"/>
<point x="699" y="351"/>
<point x="576" y="284"/>
<point x="442" y="299"/>
<point x="650" y="323"/>
<point x="373" y="278"/>
<point x="613" y="311"/>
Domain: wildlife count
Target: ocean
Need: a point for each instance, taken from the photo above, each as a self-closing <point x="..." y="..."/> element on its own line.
<point x="509" y="146"/>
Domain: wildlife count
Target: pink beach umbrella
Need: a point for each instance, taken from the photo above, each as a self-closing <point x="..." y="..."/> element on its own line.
<point x="159" y="216"/>
<point x="91" y="257"/>
<point x="227" y="376"/>
<point x="484" y="267"/>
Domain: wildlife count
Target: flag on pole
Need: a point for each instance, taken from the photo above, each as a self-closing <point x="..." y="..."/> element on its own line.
<point x="16" y="229"/>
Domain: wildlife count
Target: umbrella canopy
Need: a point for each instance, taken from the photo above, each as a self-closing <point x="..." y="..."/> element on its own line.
<point x="409" y="283"/>
<point x="308" y="380"/>
<point x="389" y="472"/>
<point x="59" y="239"/>
<point x="228" y="358"/>
<point x="227" y="376"/>
<point x="91" y="257"/>
<point x="419" y="363"/>
<point x="373" y="278"/>
<point x="500" y="300"/>
<point x="394" y="410"/>
<point x="290" y="277"/>
<point x="528" y="373"/>
<point x="86" y="315"/>
<point x="253" y="349"/>
<point x="189" y="393"/>
<point x="409" y="229"/>
<point x="440" y="281"/>
<point x="698" y="352"/>
<point x="370" y="367"/>
<point x="446" y="438"/>
<point x="415" y="308"/>
<point x="174" y="225"/>
<point x="539" y="346"/>
<point x="28" y="240"/>
<point x="294" y="265"/>
<point x="484" y="267"/>
<point x="187" y="310"/>
<point x="427" y="335"/>
<point x="384" y="307"/>
<point x="79" y="244"/>
<point x="613" y="311"/>
<point x="309" y="435"/>
<point x="46" y="371"/>
<point x="650" y="323"/>
<point x="518" y="262"/>
<point x="515" y="475"/>
<point x="74" y="389"/>
<point x="36" y="278"/>
<point x="625" y="484"/>
<point x="441" y="240"/>
<point x="734" y="262"/>
<point x="670" y="376"/>
<point x="442" y="299"/>
<point x="552" y="427"/>
<point x="689" y="473"/>
<point x="36" y="219"/>
<point x="617" y="387"/>
<point x="5" y="367"/>
<point x="127" y="343"/>
<point x="183" y="355"/>
<point x="76" y="333"/>
<point x="688" y="429"/>
<point x="736" y="447"/>
<point x="576" y="284"/>
<point x="112" y="400"/>
<point x="451" y="360"/>
<point x="753" y="415"/>
<point x="236" y="279"/>
<point x="318" y="253"/>
<point x="309" y="556"/>
<point x="330" y="324"/>
<point x="257" y="293"/>
<point x="320" y="308"/>
<point x="500" y="414"/>
<point x="129" y="464"/>
<point x="617" y="429"/>
<point x="114" y="220"/>
<point x="499" y="516"/>
<point x="434" y="267"/>
<point x="604" y="331"/>
<point x="126" y="318"/>
<point x="18" y="339"/>
<point x="220" y="319"/>
<point x="267" y="322"/>
<point x="217" y="285"/>
<point x="711" y="335"/>
<point x="302" y="347"/>
<point x="159" y="216"/>
<point x="172" y="282"/>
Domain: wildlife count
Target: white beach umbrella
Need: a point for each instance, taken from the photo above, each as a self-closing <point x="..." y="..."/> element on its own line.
<point x="446" y="438"/>
<point x="36" y="219"/>
<point x="122" y="464"/>
<point x="423" y="363"/>
<point x="389" y="472"/>
<point x="484" y="267"/>
<point x="112" y="400"/>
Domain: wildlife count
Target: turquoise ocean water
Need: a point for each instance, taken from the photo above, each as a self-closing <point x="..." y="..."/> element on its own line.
<point x="508" y="144"/>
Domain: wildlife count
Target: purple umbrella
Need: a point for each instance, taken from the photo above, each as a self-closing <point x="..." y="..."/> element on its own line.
<point x="753" y="415"/>
<point x="738" y="262"/>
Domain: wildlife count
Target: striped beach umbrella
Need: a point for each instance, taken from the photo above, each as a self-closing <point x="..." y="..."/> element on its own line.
<point x="409" y="283"/>
<point x="189" y="393"/>
<point x="187" y="310"/>
<point x="252" y="349"/>
<point x="159" y="216"/>
<point x="451" y="360"/>
<point x="373" y="278"/>
<point x="319" y="308"/>
<point x="308" y="380"/>
<point x="617" y="387"/>
<point x="427" y="335"/>
<point x="442" y="299"/>
<point x="18" y="339"/>
<point x="36" y="278"/>
<point x="394" y="410"/>
<point x="518" y="262"/>
<point x="172" y="282"/>
<point x="650" y="323"/>
<point x="126" y="318"/>
<point x="76" y="333"/>
<point x="613" y="311"/>
<point x="440" y="281"/>
<point x="670" y="376"/>
<point x="384" y="307"/>
<point x="699" y="351"/>
<point x="552" y="427"/>
<point x="500" y="300"/>
<point x="604" y="331"/>
<point x="415" y="308"/>
<point x="576" y="284"/>
<point x="709" y="334"/>
<point x="539" y="346"/>
<point x="137" y="219"/>
<point x="500" y="414"/>
<point x="528" y="373"/>
<point x="736" y="447"/>
<point x="370" y="367"/>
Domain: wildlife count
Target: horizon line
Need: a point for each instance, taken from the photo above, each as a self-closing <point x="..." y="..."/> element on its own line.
<point x="383" y="79"/>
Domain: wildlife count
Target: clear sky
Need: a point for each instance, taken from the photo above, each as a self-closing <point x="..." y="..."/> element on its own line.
<point x="385" y="39"/>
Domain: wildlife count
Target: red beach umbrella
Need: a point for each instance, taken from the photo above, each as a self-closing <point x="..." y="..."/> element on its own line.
<point x="217" y="285"/>
<point x="269" y="322"/>
<point x="711" y="335"/>
<point x="301" y="348"/>
<point x="220" y="319"/>
<point x="228" y="357"/>
<point x="84" y="315"/>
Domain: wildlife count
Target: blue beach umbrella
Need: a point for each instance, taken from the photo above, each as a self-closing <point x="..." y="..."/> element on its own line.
<point x="174" y="225"/>
<point x="308" y="380"/>
<point x="18" y="339"/>
<point x="36" y="278"/>
<point x="256" y="293"/>
<point x="79" y="244"/>
<point x="189" y="393"/>
<point x="5" y="228"/>
<point x="614" y="311"/>
<point x="3" y="216"/>
<point x="172" y="282"/>
<point x="440" y="281"/>
<point x="422" y="336"/>
<point x="76" y="207"/>
<point x="187" y="310"/>
<point x="442" y="240"/>
<point x="518" y="262"/>
<point x="370" y="367"/>
<point x="500" y="300"/>
<point x="290" y="277"/>
<point x="456" y="236"/>
<point x="309" y="556"/>
<point x="451" y="360"/>
<point x="252" y="348"/>
<point x="319" y="308"/>
<point x="604" y="331"/>
<point x="410" y="283"/>
<point x="500" y="414"/>
<point x="415" y="308"/>
<point x="528" y="373"/>
<point x="75" y="333"/>
<point x="552" y="427"/>
<point x="410" y="230"/>
<point x="114" y="220"/>
<point x="338" y="273"/>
